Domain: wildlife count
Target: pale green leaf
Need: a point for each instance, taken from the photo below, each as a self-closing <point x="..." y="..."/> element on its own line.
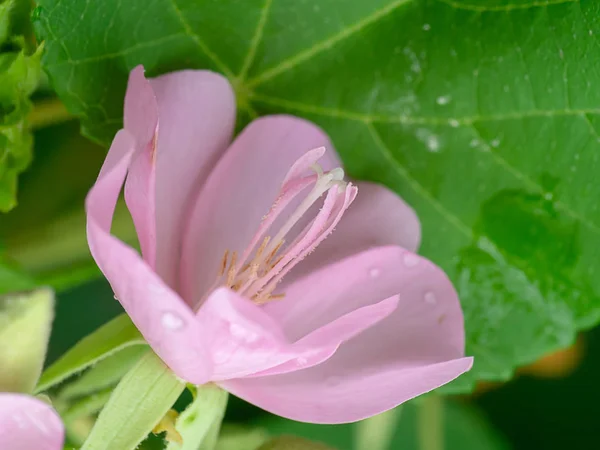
<point x="200" y="423"/>
<point x="118" y="334"/>
<point x="138" y="403"/>
<point x="105" y="373"/>
<point x="25" y="322"/>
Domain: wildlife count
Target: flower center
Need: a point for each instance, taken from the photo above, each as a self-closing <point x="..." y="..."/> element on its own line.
<point x="267" y="259"/>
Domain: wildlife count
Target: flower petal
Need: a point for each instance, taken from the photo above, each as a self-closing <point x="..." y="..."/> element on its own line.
<point x="377" y="217"/>
<point x="27" y="423"/>
<point x="197" y="111"/>
<point x="141" y="121"/>
<point x="165" y="321"/>
<point x="417" y="348"/>
<point x="245" y="341"/>
<point x="321" y="395"/>
<point x="240" y="191"/>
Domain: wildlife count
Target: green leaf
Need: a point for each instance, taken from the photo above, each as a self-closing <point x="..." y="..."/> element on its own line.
<point x="484" y="116"/>
<point x="138" y="403"/>
<point x="105" y="373"/>
<point x="200" y="423"/>
<point x="25" y="321"/>
<point x="19" y="76"/>
<point x="462" y="426"/>
<point x="118" y="334"/>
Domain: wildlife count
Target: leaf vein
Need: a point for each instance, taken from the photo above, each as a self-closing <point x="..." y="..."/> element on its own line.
<point x="504" y="8"/>
<point x="326" y="44"/>
<point x="256" y="40"/>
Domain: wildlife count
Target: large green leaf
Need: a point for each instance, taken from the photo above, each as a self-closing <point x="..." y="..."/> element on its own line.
<point x="483" y="115"/>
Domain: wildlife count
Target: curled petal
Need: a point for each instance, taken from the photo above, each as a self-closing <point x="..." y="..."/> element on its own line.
<point x="164" y="320"/>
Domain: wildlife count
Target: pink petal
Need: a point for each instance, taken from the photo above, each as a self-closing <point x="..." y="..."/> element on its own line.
<point x="419" y="347"/>
<point x="324" y="395"/>
<point x="27" y="424"/>
<point x="321" y="344"/>
<point x="141" y="121"/>
<point x="244" y="340"/>
<point x="165" y="321"/>
<point x="377" y="217"/>
<point x="240" y="191"/>
<point x="197" y="112"/>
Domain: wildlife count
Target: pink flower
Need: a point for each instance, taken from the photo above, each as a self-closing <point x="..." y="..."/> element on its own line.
<point x="223" y="292"/>
<point x="27" y="423"/>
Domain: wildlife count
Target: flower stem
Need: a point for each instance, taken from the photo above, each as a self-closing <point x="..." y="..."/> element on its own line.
<point x="48" y="112"/>
<point x="377" y="432"/>
<point x="430" y="423"/>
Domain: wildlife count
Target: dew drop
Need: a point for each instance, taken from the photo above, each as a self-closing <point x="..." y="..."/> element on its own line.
<point x="374" y="272"/>
<point x="239" y="332"/>
<point x="410" y="260"/>
<point x="172" y="321"/>
<point x="548" y="195"/>
<point x="474" y="143"/>
<point x="443" y="100"/>
<point x="430" y="298"/>
<point x="495" y="143"/>
<point x="426" y="27"/>
<point x="433" y="144"/>
<point x="454" y="123"/>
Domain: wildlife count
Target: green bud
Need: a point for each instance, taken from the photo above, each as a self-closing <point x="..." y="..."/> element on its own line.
<point x="25" y="320"/>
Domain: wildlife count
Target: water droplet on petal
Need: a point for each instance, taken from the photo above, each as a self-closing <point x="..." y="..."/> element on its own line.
<point x="239" y="332"/>
<point x="301" y="361"/>
<point x="410" y="260"/>
<point x="430" y="298"/>
<point x="172" y="321"/>
<point x="374" y="272"/>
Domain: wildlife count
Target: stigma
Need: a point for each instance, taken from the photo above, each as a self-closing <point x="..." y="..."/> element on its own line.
<point x="277" y="247"/>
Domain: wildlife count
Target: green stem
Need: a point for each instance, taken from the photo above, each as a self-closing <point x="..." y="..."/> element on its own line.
<point x="376" y="433"/>
<point x="138" y="403"/>
<point x="430" y="423"/>
<point x="48" y="112"/>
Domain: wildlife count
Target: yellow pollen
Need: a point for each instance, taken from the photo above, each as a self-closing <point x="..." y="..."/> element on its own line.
<point x="224" y="263"/>
<point x="231" y="273"/>
<point x="273" y="252"/>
